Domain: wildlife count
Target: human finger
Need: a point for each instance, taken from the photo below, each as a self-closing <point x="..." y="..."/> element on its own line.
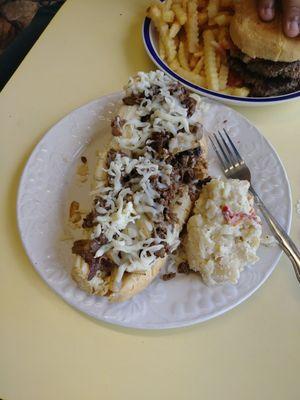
<point x="291" y="17"/>
<point x="266" y="9"/>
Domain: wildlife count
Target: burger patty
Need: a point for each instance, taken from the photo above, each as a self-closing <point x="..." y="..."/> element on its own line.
<point x="264" y="84"/>
<point x="270" y="69"/>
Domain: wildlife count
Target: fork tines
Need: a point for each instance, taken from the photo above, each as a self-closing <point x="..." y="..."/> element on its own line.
<point x="228" y="155"/>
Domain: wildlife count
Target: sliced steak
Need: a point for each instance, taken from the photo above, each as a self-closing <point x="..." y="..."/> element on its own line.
<point x="159" y="142"/>
<point x="87" y="250"/>
<point x="133" y="99"/>
<point x="89" y="220"/>
<point x="183" y="268"/>
<point x="116" y="125"/>
<point x="167" y="277"/>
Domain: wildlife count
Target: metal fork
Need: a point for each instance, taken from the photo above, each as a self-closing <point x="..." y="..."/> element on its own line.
<point x="234" y="167"/>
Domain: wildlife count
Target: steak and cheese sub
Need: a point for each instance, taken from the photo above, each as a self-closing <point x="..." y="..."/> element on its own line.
<point x="145" y="187"/>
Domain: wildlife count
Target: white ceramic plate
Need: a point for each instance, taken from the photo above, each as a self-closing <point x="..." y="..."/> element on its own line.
<point x="150" y="43"/>
<point x="49" y="183"/>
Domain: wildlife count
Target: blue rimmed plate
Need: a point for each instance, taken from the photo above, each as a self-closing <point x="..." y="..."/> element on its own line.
<point x="150" y="42"/>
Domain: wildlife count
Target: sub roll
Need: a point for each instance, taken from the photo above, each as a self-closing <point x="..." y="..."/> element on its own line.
<point x="144" y="190"/>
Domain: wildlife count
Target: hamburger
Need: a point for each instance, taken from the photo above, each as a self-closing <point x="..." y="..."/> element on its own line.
<point x="262" y="57"/>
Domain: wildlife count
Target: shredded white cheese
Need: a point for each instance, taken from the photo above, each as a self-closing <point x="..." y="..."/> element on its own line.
<point x="127" y="205"/>
<point x="167" y="114"/>
<point x="128" y="214"/>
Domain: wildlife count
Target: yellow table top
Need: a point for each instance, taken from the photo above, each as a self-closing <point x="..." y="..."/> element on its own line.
<point x="49" y="350"/>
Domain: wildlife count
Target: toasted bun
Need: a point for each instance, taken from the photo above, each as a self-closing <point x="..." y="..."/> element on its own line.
<point x="133" y="284"/>
<point x="262" y="39"/>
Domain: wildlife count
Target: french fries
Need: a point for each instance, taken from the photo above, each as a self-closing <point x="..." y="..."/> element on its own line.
<point x="202" y="18"/>
<point x="168" y="43"/>
<point x="213" y="8"/>
<point x="222" y="19"/>
<point x="180" y="13"/>
<point x="174" y="29"/>
<point x="193" y="38"/>
<point x="168" y="16"/>
<point x="236" y="91"/>
<point x="161" y="48"/>
<point x="191" y="76"/>
<point x="199" y="66"/>
<point x="192" y="26"/>
<point x="210" y="61"/>
<point x="223" y="76"/>
<point x="193" y="61"/>
<point x="182" y="57"/>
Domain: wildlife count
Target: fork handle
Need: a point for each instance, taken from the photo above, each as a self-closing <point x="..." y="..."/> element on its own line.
<point x="286" y="243"/>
